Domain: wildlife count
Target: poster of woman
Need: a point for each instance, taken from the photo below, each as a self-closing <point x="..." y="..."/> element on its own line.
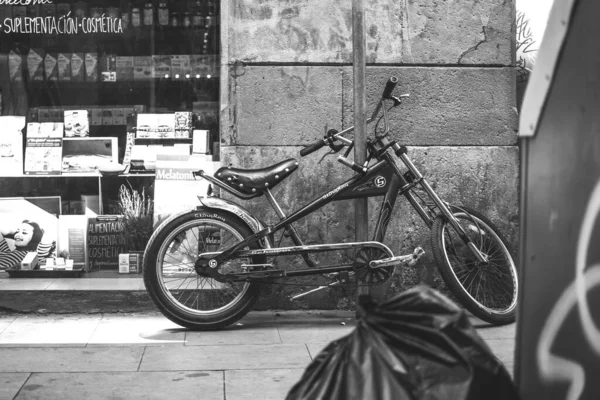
<point x="24" y="228"/>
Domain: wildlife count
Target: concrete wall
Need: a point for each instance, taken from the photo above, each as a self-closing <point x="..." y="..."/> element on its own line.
<point x="287" y="74"/>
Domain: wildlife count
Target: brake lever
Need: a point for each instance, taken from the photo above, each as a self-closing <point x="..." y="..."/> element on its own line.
<point x="398" y="99"/>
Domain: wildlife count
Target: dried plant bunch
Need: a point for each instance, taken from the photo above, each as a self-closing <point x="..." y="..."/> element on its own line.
<point x="137" y="210"/>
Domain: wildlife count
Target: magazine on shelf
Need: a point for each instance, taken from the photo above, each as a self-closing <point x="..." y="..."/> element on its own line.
<point x="11" y="146"/>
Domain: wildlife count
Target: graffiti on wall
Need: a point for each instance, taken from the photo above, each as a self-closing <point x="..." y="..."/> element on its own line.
<point x="525" y="46"/>
<point x="553" y="368"/>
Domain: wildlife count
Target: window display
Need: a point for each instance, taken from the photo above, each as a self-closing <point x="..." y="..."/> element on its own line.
<point x="93" y="93"/>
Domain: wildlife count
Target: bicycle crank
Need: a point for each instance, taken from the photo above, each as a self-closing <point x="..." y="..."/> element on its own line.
<point x="367" y="274"/>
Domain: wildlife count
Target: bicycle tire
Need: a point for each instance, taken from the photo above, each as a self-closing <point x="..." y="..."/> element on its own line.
<point x="171" y="233"/>
<point x="504" y="307"/>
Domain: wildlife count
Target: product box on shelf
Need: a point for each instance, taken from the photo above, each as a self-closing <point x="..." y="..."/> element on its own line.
<point x="153" y="125"/>
<point x="72" y="238"/>
<point x="15" y="65"/>
<point x="43" y="114"/>
<point x="77" y="123"/>
<point x="77" y="67"/>
<point x="161" y="66"/>
<point x="84" y="155"/>
<point x="175" y="188"/>
<point x="202" y="65"/>
<point x="96" y="117"/>
<point x="200" y="141"/>
<point x="33" y="114"/>
<point x="142" y="68"/>
<point x="45" y="130"/>
<point x="35" y="65"/>
<point x="43" y="156"/>
<point x="180" y="65"/>
<point x="91" y="67"/>
<point x="64" y="66"/>
<point x="30" y="261"/>
<point x="124" y="65"/>
<point x="130" y="263"/>
<point x="11" y="146"/>
<point x="107" y="116"/>
<point x="119" y="116"/>
<point x="51" y="66"/>
<point x="108" y="68"/>
<point x="56" y="114"/>
<point x="183" y="120"/>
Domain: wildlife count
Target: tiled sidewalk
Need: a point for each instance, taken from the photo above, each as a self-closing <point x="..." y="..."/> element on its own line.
<point x="131" y="356"/>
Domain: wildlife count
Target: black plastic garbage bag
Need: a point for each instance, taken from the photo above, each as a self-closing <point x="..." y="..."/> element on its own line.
<point x="417" y="345"/>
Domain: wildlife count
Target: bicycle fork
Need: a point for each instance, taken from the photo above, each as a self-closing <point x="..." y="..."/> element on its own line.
<point x="445" y="210"/>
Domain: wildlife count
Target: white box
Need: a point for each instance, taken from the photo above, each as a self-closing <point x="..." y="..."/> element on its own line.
<point x="123" y="263"/>
<point x="200" y="141"/>
<point x="30" y="261"/>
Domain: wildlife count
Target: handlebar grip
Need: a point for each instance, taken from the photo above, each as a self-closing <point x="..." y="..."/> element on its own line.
<point x="389" y="87"/>
<point x="312" y="147"/>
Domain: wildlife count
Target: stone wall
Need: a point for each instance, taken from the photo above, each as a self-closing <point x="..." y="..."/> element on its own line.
<point x="288" y="75"/>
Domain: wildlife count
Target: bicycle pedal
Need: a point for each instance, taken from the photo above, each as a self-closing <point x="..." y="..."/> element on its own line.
<point x="408" y="260"/>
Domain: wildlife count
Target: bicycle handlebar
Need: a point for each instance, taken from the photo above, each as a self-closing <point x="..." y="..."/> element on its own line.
<point x="389" y="87"/>
<point x="387" y="94"/>
<point x="312" y="147"/>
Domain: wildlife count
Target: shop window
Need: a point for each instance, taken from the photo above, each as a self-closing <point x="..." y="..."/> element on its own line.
<point x="93" y="93"/>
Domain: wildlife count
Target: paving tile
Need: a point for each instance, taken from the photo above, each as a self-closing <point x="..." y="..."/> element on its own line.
<point x="6" y="320"/>
<point x="315" y="348"/>
<point x="25" y="284"/>
<point x="70" y="359"/>
<point x="254" y="328"/>
<point x="136" y="329"/>
<point x="225" y="357"/>
<point x="10" y="383"/>
<point x="124" y="385"/>
<point x="498" y="332"/>
<point x="314" y="327"/>
<point x="50" y="330"/>
<point x="504" y="349"/>
<point x="96" y="284"/>
<point x="265" y="384"/>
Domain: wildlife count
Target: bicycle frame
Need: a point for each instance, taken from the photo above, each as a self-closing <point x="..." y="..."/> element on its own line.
<point x="371" y="182"/>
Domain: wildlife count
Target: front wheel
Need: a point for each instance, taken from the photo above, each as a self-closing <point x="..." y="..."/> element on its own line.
<point x="182" y="295"/>
<point x="489" y="290"/>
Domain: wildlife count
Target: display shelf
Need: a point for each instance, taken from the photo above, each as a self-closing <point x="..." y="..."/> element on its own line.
<point x="38" y="273"/>
<point x="167" y="141"/>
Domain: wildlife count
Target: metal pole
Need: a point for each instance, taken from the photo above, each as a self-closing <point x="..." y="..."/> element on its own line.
<point x="361" y="217"/>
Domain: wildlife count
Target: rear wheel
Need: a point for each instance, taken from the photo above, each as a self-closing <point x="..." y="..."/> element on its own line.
<point x="182" y="295"/>
<point x="489" y="290"/>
